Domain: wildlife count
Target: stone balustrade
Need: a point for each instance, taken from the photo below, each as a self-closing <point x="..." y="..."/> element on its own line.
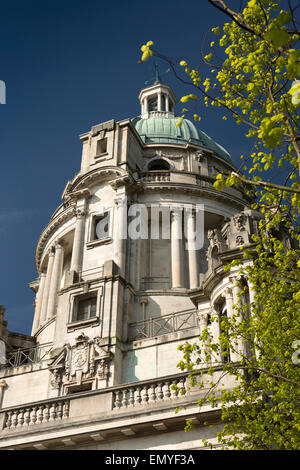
<point x="156" y="176"/>
<point x="38" y="414"/>
<point x="154" y="392"/>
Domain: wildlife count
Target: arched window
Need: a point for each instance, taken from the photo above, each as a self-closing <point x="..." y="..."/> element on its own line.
<point x="158" y="164"/>
<point x="152" y="104"/>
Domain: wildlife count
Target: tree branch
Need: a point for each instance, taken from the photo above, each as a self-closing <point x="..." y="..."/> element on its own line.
<point x="265" y="183"/>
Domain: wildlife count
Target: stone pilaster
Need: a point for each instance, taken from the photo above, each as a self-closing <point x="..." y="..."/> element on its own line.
<point x="120" y="232"/>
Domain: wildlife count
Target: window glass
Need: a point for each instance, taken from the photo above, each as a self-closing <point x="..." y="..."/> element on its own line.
<point x="86" y="308"/>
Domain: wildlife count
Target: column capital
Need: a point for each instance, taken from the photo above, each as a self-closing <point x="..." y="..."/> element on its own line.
<point x="228" y="292"/>
<point x="58" y="244"/>
<point x="202" y="318"/>
<point x="120" y="201"/>
<point x="3" y="384"/>
<point x="80" y="213"/>
<point x="176" y="213"/>
<point x="51" y="250"/>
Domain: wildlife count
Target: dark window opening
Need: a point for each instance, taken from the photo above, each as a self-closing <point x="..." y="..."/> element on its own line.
<point x="152" y="104"/>
<point x="158" y="165"/>
<point x="80" y="388"/>
<point x="101" y="146"/>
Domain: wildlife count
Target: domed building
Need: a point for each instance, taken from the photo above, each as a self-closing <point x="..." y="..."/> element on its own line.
<point x="129" y="267"/>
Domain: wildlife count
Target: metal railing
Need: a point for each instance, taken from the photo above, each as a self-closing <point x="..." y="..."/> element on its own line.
<point x="158" y="326"/>
<point x="27" y="356"/>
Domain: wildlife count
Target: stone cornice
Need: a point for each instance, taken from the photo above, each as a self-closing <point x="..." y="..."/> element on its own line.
<point x="194" y="188"/>
<point x="61" y="218"/>
<point x="95" y="176"/>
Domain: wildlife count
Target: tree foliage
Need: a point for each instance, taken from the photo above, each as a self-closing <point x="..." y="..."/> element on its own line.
<point x="256" y="83"/>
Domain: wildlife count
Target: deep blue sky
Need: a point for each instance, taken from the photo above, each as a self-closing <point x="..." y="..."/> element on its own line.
<point x="69" y="65"/>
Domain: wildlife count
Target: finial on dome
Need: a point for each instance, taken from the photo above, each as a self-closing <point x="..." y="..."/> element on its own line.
<point x="156" y="78"/>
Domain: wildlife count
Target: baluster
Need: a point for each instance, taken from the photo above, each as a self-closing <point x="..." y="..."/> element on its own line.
<point x="40" y="413"/>
<point x="117" y="399"/>
<point x="33" y="416"/>
<point x="166" y="390"/>
<point x="182" y="386"/>
<point x="46" y="413"/>
<point x="174" y="393"/>
<point x="14" y="419"/>
<point x="137" y="397"/>
<point x="59" y="410"/>
<point x="66" y="409"/>
<point x="52" y="416"/>
<point x="131" y="396"/>
<point x="8" y="419"/>
<point x="160" y="394"/>
<point x="145" y="397"/>
<point x="152" y="394"/>
<point x="20" y="418"/>
<point x="124" y="397"/>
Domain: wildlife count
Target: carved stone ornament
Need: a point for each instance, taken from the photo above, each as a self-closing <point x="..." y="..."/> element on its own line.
<point x="239" y="221"/>
<point x="202" y="319"/>
<point x="239" y="240"/>
<point x="75" y="364"/>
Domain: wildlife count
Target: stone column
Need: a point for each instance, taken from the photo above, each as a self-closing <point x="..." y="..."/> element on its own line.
<point x="176" y="242"/>
<point x="192" y="253"/>
<point x="167" y="103"/>
<point x="3" y="384"/>
<point x="55" y="278"/>
<point x="203" y="324"/>
<point x="43" y="316"/>
<point x="252" y="300"/>
<point x="120" y="234"/>
<point x="232" y="299"/>
<point x="39" y="300"/>
<point x="145" y="105"/>
<point x="76" y="260"/>
<point x="159" y="102"/>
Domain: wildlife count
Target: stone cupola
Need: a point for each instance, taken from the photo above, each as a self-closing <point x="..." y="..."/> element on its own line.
<point x="157" y="100"/>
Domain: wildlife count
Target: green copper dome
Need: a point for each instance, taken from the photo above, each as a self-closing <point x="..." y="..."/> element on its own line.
<point x="165" y="130"/>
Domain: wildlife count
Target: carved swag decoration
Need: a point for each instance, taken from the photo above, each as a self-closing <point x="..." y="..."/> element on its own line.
<point x="76" y="364"/>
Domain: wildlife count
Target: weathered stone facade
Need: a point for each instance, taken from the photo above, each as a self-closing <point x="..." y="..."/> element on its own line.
<point x="110" y="311"/>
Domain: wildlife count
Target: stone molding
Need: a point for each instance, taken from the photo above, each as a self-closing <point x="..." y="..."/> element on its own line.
<point x="54" y="224"/>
